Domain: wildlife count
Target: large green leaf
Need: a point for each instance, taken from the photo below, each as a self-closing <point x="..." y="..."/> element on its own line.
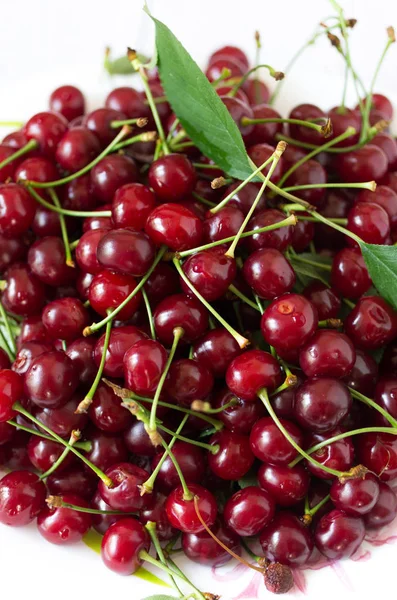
<point x="381" y="262"/>
<point x="197" y="105"/>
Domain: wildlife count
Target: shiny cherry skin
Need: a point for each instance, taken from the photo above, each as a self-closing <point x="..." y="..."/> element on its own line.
<point x="286" y="540"/>
<point x="203" y="549"/>
<point x="283" y="402"/>
<point x="99" y="122"/>
<point x="385" y="197"/>
<point x="157" y="514"/>
<point x="237" y="110"/>
<point x="191" y="462"/>
<point x="128" y="101"/>
<point x="338" y="535"/>
<point x="180" y="311"/>
<point x="74" y="480"/>
<point x="51" y="380"/>
<point x="163" y="282"/>
<point x="47" y="128"/>
<point x="382" y="104"/>
<point x="144" y="364"/>
<point x="372" y="323"/>
<point x="68" y="101"/>
<point x="46" y="258"/>
<point x="370" y="222"/>
<point x="325" y="299"/>
<point x="257" y="92"/>
<point x="225" y="223"/>
<point x="109" y="289"/>
<point x="342" y="118"/>
<point x="17" y="209"/>
<point x="63" y="420"/>
<point x="32" y="330"/>
<point x="188" y="380"/>
<point x="106" y="412"/>
<point x="98" y="222"/>
<point x="125" y="494"/>
<point x="175" y="226"/>
<point x="37" y="168"/>
<point x="231" y="52"/>
<point x="365" y="164"/>
<point x="234" y="458"/>
<point x="241" y="417"/>
<point x="328" y="353"/>
<point x="12" y="250"/>
<point x="259" y="153"/>
<point x="309" y="173"/>
<point x="137" y="440"/>
<point x="77" y="148"/>
<point x="269" y="273"/>
<point x="286" y="485"/>
<point x="349" y="275"/>
<point x="65" y="318"/>
<point x="265" y="132"/>
<point x="378" y="452"/>
<point x="172" y="177"/>
<point x="124" y="251"/>
<point x="385" y="509"/>
<point x="131" y="206"/>
<point x="210" y="272"/>
<point x="302" y="235"/>
<point x="356" y="497"/>
<point x="216" y="349"/>
<point x="64" y="525"/>
<point x="86" y="251"/>
<point x="6" y="433"/>
<point x="110" y="173"/>
<point x="121" y="339"/>
<point x="22" y="497"/>
<point x="244" y="198"/>
<point x="46" y="223"/>
<point x="78" y="194"/>
<point x="217" y="65"/>
<point x="15" y="139"/>
<point x="102" y="522"/>
<point x="24" y="294"/>
<point x="43" y="453"/>
<point x="251" y="371"/>
<point x="289" y="321"/>
<point x="7" y="172"/>
<point x="248" y="511"/>
<point x="388" y="144"/>
<point x="106" y="449"/>
<point x="306" y="112"/>
<point x="182" y="513"/>
<point x="386" y="396"/>
<point x="11" y="390"/>
<point x="364" y="374"/>
<point x="269" y="444"/>
<point x="338" y="455"/>
<point x="121" y="545"/>
<point x="80" y="352"/>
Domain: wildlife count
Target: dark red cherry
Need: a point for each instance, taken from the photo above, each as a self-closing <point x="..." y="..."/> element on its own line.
<point x="342" y="118"/>
<point x="269" y="273"/>
<point x="43" y="453"/>
<point x="7" y="172"/>
<point x="77" y="148"/>
<point x="286" y="485"/>
<point x="349" y="273"/>
<point x="283" y="401"/>
<point x="15" y="139"/>
<point x="180" y="311"/>
<point x="309" y="173"/>
<point x="11" y="250"/>
<point x="355" y="496"/>
<point x="233" y="53"/>
<point x="106" y="412"/>
<point x="65" y="318"/>
<point x="68" y="101"/>
<point x="240" y="417"/>
<point x="124" y="251"/>
<point x="182" y="513"/>
<point x="86" y="251"/>
<point x="237" y="110"/>
<point x="210" y="272"/>
<point x="388" y="144"/>
<point x="109" y="289"/>
<point x="7" y="432"/>
<point x="365" y="164"/>
<point x="338" y="535"/>
<point x="63" y="420"/>
<point x="328" y="353"/>
<point x="22" y="497"/>
<point x="78" y="194"/>
<point x="64" y="525"/>
<point x="278" y="238"/>
<point x="286" y="540"/>
<point x="188" y="380"/>
<point x="5" y="362"/>
<point x="221" y="62"/>
<point x="24" y="293"/>
<point x="128" y="101"/>
<point x="370" y="222"/>
<point x="11" y="390"/>
<point x="121" y="545"/>
<point x="216" y="349"/>
<point x="32" y="330"/>
<point x="378" y="452"/>
<point x="248" y="511"/>
<point x="137" y="440"/>
<point x="364" y="374"/>
<point x="111" y="173"/>
<point x="302" y="235"/>
<point x="306" y="112"/>
<point x="175" y="226"/>
<point x="172" y="177"/>
<point x="386" y="197"/>
<point x="225" y="223"/>
<point x="269" y="444"/>
<point x="265" y="132"/>
<point x="325" y="299"/>
<point x="250" y="372"/>
<point x="234" y="458"/>
<point x="47" y="128"/>
<point x="17" y="209"/>
<point x="144" y="364"/>
<point x="132" y="204"/>
<point x="244" y="198"/>
<point x="98" y="222"/>
<point x="386" y="397"/>
<point x="99" y="122"/>
<point x="382" y="104"/>
<point x="259" y="153"/>
<point x="51" y="380"/>
<point x="289" y="321"/>
<point x="121" y="339"/>
<point x="257" y="91"/>
<point x="46" y="223"/>
<point x="372" y="323"/>
<point x="74" y="480"/>
<point x="203" y="549"/>
<point x="191" y="462"/>
<point x="125" y="494"/>
<point x="37" y="168"/>
<point x="106" y="449"/>
<point x="338" y="455"/>
<point x="157" y="514"/>
<point x="385" y="509"/>
<point x="321" y="404"/>
<point x="80" y="352"/>
<point x="47" y="261"/>
<point x="163" y="282"/>
<point x="102" y="522"/>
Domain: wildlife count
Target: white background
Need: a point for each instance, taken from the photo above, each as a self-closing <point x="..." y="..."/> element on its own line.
<point x="45" y="43"/>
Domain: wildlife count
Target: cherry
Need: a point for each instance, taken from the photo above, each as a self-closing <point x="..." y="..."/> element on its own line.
<point x="339" y="535"/>
<point x="102" y="522"/>
<point x="310" y="172"/>
<point x="74" y="480"/>
<point x="325" y="299"/>
<point x="24" y="293"/>
<point x="15" y="139"/>
<point x="80" y="352"/>
<point x="106" y="449"/>
<point x="211" y="272"/>
<point x="46" y="223"/>
<point x="233" y="53"/>
<point x="386" y="397"/>
<point x="382" y="104"/>
<point x="338" y="455"/>
<point x="63" y="420"/>
<point x="278" y="238"/>
<point x="289" y="321"/>
<point x="7" y="172"/>
<point x="257" y="92"/>
<point x="64" y="525"/>
<point x="386" y="197"/>
<point x="17" y="210"/>
<point x="65" y="318"/>
<point x="86" y="251"/>
<point x="175" y="226"/>
<point x="47" y="128"/>
<point x="11" y="250"/>
<point x="68" y="101"/>
<point x="355" y="496"/>
<point x="43" y="453"/>
<point x="188" y="380"/>
<point x="144" y="364"/>
<point x="203" y="549"/>
<point x="321" y="404"/>
<point x="37" y="168"/>
<point x="121" y="545"/>
<point x="349" y="273"/>
<point x="370" y="222"/>
<point x="78" y="194"/>
<point x="172" y="177"/>
<point x="163" y="282"/>
<point x="372" y="323"/>
<point x="180" y="311"/>
<point x="6" y="433"/>
<point x="237" y="110"/>
<point x="327" y="353"/>
<point x="128" y="101"/>
<point x="302" y="235"/>
<point x="365" y="164"/>
<point x="364" y="373"/>
<point x="378" y="452"/>
<point x="234" y="457"/>
<point x="22" y="497"/>
<point x="156" y="513"/>
<point x="269" y="273"/>
<point x="306" y="112"/>
<point x="240" y="417"/>
<point x="11" y="389"/>
<point x="225" y="223"/>
<point x="251" y="371"/>
<point x="125" y="494"/>
<point x="126" y="251"/>
<point x="5" y="362"/>
<point x="191" y="462"/>
<point x="111" y="173"/>
<point x="244" y="198"/>
<point x="286" y="540"/>
<point x="388" y="144"/>
<point x="99" y="122"/>
<point x="217" y="66"/>
<point x="182" y="513"/>
<point x="287" y="486"/>
<point x="46" y="258"/>
<point x="249" y="510"/>
<point x="98" y="222"/>
<point x="132" y="204"/>
<point x="109" y="289"/>
<point x="264" y="132"/>
<point x="106" y="412"/>
<point x="215" y="350"/>
<point x="121" y="339"/>
<point x="269" y="444"/>
<point x="32" y="330"/>
<point x="342" y="118"/>
<point x="77" y="148"/>
<point x="51" y="380"/>
<point x="259" y="153"/>
<point x="137" y="440"/>
<point x="385" y="509"/>
<point x="283" y="401"/>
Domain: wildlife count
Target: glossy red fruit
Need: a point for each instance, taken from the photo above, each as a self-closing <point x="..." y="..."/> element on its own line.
<point x="338" y="535"/>
<point x="157" y="514"/>
<point x="7" y="172"/>
<point x="68" y="101"/>
<point x="365" y="164"/>
<point x="109" y="289"/>
<point x="251" y="371"/>
<point x="328" y="353"/>
<point x="106" y="412"/>
<point x="43" y="453"/>
<point x="309" y="173"/>
<point x="46" y="258"/>
<point x="321" y="404"/>
<point x="17" y="209"/>
<point x="191" y="461"/>
<point x="174" y="226"/>
<point x="63" y="420"/>
<point x="125" y="494"/>
<point x="372" y="323"/>
<point x="269" y="444"/>
<point x="265" y="132"/>
<point x="386" y="396"/>
<point x="22" y="497"/>
<point x="234" y="457"/>
<point x="382" y="104"/>
<point x="244" y="198"/>
<point x="172" y="177"/>
<point x="388" y="144"/>
<point x="241" y="416"/>
<point x="11" y="390"/>
<point x="106" y="449"/>
<point x="324" y="298"/>
<point x="121" y="339"/>
<point x="163" y="282"/>
<point x="364" y="375"/>
<point x="286" y="485"/>
<point x="286" y="540"/>
<point x="80" y="352"/>
<point x="122" y="544"/>
<point x="47" y="128"/>
<point x="74" y="480"/>
<point x="144" y="364"/>
<point x="12" y="250"/>
<point x="188" y="380"/>
<point x="385" y="509"/>
<point x="237" y="110"/>
<point x="349" y="273"/>
<point x="182" y="513"/>
<point x="218" y="64"/>
<point x="203" y="549"/>
<point x="77" y="148"/>
<point x="99" y="122"/>
<point x="64" y="525"/>
<point x="210" y="272"/>
<point x="110" y="174"/>
<point x="249" y="510"/>
<point x="65" y="319"/>
<point x="51" y="380"/>
<point x="224" y="224"/>
<point x="355" y="496"/>
<point x="386" y="197"/>
<point x="125" y="251"/>
<point x="86" y="251"/>
<point x="180" y="311"/>
<point x="216" y="349"/>
<point x="259" y="153"/>
<point x="231" y="52"/>
<point x="132" y="204"/>
<point x="378" y="452"/>
<point x="269" y="273"/>
<point x="370" y="222"/>
<point x="24" y="294"/>
<point x="342" y="118"/>
<point x="306" y="112"/>
<point x="128" y="101"/>
<point x="338" y="455"/>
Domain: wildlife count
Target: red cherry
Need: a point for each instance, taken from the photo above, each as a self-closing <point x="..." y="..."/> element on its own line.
<point x="11" y="389"/>
<point x="372" y="323"/>
<point x="286" y="485"/>
<point x="327" y="353"/>
<point x="17" y="209"/>
<point x="286" y="540"/>
<point x="182" y="513"/>
<point x="175" y="226"/>
<point x="64" y="525"/>
<point x="269" y="444"/>
<point x="68" y="101"/>
<point x="122" y="544"/>
<point x="47" y="128"/>
<point x="338" y="535"/>
<point x="22" y="497"/>
<point x="249" y="510"/>
<point x="109" y="289"/>
<point x="365" y="164"/>
<point x="132" y="205"/>
<point x="234" y="457"/>
<point x="251" y="371"/>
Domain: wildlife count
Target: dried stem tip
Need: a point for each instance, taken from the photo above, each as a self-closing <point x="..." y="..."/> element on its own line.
<point x="278" y="75"/>
<point x="200" y="406"/>
<point x="351" y="23"/>
<point x="391" y="33"/>
<point x="357" y="472"/>
<point x="142" y="121"/>
<point x="218" y="182"/>
<point x="280" y="148"/>
<point x="327" y="129"/>
<point x="131" y="54"/>
<point x="335" y="41"/>
<point x="54" y="501"/>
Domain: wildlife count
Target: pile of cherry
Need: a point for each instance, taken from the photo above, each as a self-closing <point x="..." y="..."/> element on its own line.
<point x="255" y="368"/>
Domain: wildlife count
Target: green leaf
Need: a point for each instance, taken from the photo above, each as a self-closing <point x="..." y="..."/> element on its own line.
<point x="307" y="272"/>
<point x="381" y="263"/>
<point x="121" y="65"/>
<point x="248" y="480"/>
<point x="202" y="114"/>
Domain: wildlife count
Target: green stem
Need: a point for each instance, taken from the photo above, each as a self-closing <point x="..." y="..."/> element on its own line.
<point x="343" y="222"/>
<point x="177" y="570"/>
<point x="277" y="75"/>
<point x="367" y="185"/>
<point x="10" y="343"/>
<point x="147" y="136"/>
<point x="75" y="436"/>
<point x="243" y="297"/>
<point x="308" y="124"/>
<point x="182" y="438"/>
<point x="143" y="555"/>
<point x="140" y="121"/>
<point x="331" y="150"/>
<point x="65" y="236"/>
<point x="64" y="211"/>
<point x="31" y="145"/>
<point x="57" y="502"/>
<point x="313" y="263"/>
<point x="18" y="124"/>
<point x="203" y="200"/>
<point x="86" y="446"/>
<point x="312" y="511"/>
<point x="149" y="314"/>
<point x="374" y="405"/>
<point x="151" y="529"/>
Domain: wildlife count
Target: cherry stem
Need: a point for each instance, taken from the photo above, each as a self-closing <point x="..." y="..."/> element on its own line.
<point x="199" y="165"/>
<point x="57" y="502"/>
<point x="85" y="404"/>
<point x="367" y="185"/>
<point x="140" y="122"/>
<point x="31" y="145"/>
<point x="86" y="446"/>
<point x="65" y="236"/>
<point x="12" y="124"/>
<point x="95" y="326"/>
<point x="277" y="75"/>
<point x="10" y="342"/>
<point x="374" y="405"/>
<point x="48" y="184"/>
<point x="340" y="221"/>
<point x="203" y="200"/>
<point x="143" y="555"/>
<point x="290" y="381"/>
<point x="313" y="263"/>
<point x="151" y="529"/>
<point x="263" y="395"/>
<point x="312" y="511"/>
<point x="201" y="406"/>
<point x="330" y="324"/>
<point x="243" y="297"/>
<point x="213" y="449"/>
<point x="372" y="132"/>
<point x="106" y="480"/>
<point x="342" y="436"/>
<point x="178" y="335"/>
<point x="147" y="136"/>
<point x="65" y="211"/>
<point x="74" y="437"/>
<point x="240" y="339"/>
<point x="149" y="314"/>
<point x="325" y="129"/>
